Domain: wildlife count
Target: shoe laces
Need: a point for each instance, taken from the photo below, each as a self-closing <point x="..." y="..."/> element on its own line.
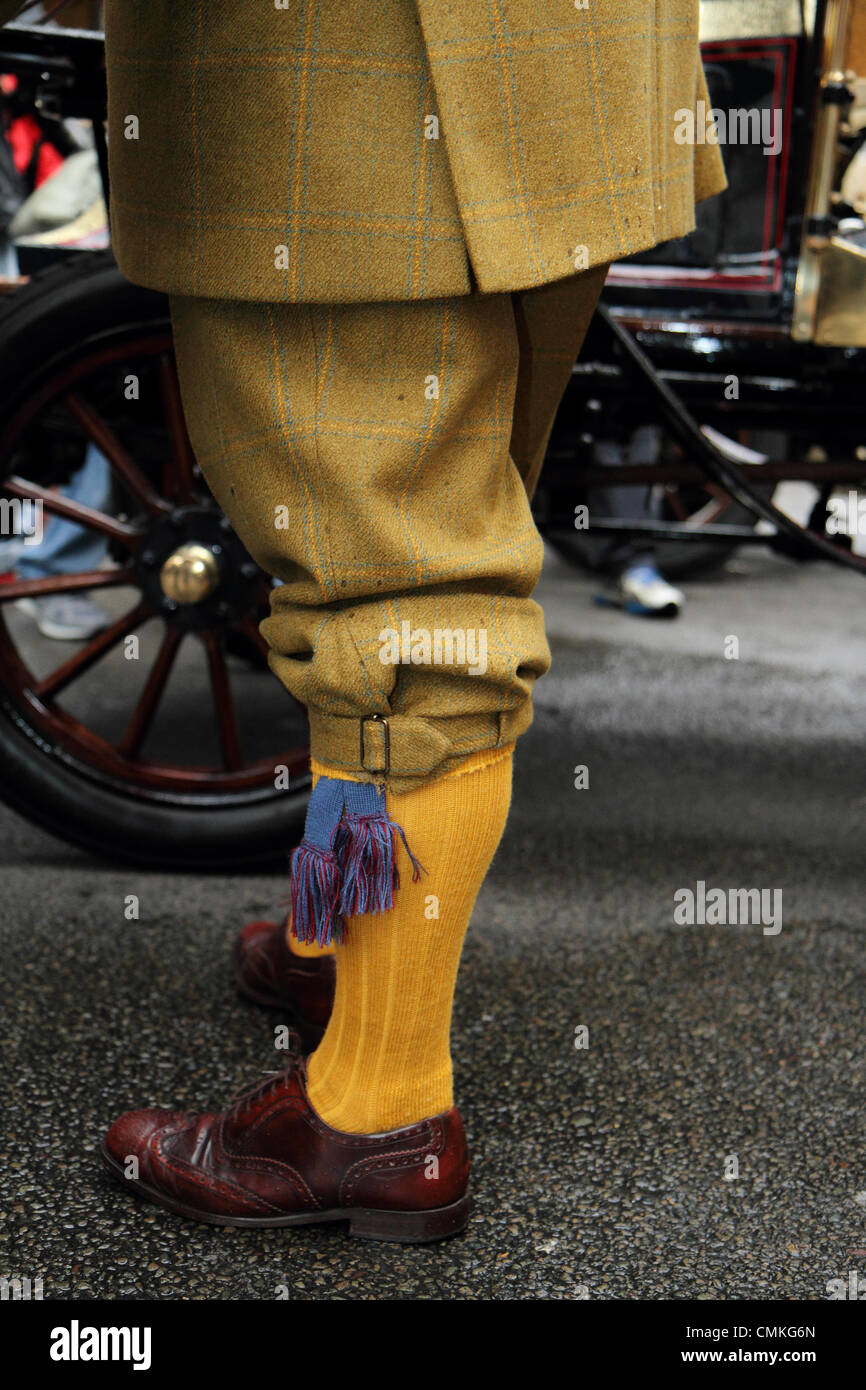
<point x="257" y="1090"/>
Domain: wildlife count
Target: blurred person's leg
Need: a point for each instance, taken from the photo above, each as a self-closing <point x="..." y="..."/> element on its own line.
<point x="635" y="582"/>
<point x="68" y="548"/>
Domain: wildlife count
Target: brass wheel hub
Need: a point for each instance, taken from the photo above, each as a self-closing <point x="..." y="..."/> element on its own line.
<point x="195" y="572"/>
<point x="190" y="574"/>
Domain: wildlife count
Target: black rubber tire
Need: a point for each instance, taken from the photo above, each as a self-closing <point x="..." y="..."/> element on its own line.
<point x="48" y="320"/>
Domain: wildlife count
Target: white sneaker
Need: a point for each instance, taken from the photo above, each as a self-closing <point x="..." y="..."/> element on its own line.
<point x="644" y="591"/>
<point x="65" y="617"/>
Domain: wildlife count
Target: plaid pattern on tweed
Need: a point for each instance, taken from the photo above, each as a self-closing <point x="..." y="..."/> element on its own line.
<point x="406" y="149"/>
<point x="376" y="459"/>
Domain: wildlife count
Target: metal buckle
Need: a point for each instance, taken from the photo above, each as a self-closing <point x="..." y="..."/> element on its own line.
<point x="377" y="719"/>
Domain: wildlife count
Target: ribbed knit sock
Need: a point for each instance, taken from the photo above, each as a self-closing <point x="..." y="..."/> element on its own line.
<point x="303" y="948"/>
<point x="385" y="1059"/>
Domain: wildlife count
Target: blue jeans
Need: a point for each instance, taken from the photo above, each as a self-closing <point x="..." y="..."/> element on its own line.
<point x="67" y="547"/>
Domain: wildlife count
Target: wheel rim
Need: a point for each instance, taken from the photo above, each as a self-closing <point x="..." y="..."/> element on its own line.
<point x="190" y="581"/>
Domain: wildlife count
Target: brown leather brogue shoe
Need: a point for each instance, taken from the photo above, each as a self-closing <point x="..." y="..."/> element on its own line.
<point x="302" y="987"/>
<point x="271" y="1161"/>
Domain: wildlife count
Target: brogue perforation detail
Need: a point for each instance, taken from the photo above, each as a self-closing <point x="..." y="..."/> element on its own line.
<point x="265" y="1165"/>
<point x="404" y="1158"/>
<point x="207" y="1183"/>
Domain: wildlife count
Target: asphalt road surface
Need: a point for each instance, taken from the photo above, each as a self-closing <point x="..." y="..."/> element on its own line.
<point x="708" y="1142"/>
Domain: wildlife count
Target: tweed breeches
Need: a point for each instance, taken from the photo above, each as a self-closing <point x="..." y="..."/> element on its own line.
<point x="378" y="460"/>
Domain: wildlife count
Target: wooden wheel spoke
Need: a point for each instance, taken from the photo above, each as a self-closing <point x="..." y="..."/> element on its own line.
<point x="58" y="505"/>
<point x="88" y="656"/>
<point x="102" y="435"/>
<point x="64" y="584"/>
<point x="711" y="510"/>
<point x="717" y="504"/>
<point x="180" y="485"/>
<point x="143" y="715"/>
<point x="224" y="707"/>
<point x="71" y="723"/>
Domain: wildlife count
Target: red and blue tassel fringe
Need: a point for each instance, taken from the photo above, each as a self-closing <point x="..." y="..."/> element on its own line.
<point x="346" y="863"/>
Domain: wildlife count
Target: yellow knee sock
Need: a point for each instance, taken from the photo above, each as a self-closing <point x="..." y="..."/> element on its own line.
<point x="385" y="1059"/>
<point x="306" y="949"/>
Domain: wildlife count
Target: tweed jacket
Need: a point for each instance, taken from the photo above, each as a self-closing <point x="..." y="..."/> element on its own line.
<point x="349" y="150"/>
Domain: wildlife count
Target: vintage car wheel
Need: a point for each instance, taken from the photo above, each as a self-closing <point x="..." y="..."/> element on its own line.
<point x="163" y="738"/>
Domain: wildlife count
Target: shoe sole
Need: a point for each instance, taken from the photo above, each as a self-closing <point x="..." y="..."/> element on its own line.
<point x="637" y="610"/>
<point x="367" y="1223"/>
<point x="670" y="610"/>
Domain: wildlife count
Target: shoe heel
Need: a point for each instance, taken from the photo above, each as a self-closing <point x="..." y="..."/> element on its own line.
<point x="410" y="1227"/>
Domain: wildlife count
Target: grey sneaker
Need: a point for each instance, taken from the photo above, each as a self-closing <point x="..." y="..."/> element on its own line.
<point x="65" y="617"/>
